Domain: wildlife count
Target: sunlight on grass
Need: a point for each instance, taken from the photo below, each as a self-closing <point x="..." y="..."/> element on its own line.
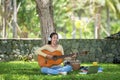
<point x="16" y="77"/>
<point x="19" y="70"/>
<point x="18" y="62"/>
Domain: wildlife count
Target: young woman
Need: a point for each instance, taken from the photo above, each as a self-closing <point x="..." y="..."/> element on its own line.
<point x="53" y="46"/>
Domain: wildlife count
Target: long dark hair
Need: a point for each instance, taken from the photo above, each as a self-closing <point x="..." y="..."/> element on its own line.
<point x="51" y="35"/>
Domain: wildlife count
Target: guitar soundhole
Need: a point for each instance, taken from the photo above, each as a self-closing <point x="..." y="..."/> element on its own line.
<point x="54" y="57"/>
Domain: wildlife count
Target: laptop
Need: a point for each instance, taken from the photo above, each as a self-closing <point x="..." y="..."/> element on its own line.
<point x="91" y="70"/>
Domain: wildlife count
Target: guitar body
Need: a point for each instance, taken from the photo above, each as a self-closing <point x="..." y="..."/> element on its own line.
<point x="44" y="62"/>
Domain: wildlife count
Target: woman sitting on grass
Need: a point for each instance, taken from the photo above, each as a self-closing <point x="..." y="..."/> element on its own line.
<point x="51" y="47"/>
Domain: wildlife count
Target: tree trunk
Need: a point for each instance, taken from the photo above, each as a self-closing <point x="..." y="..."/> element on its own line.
<point x="1" y="13"/>
<point x="15" y="20"/>
<point x="74" y="31"/>
<point x="97" y="23"/>
<point x="45" y="11"/>
<point x="4" y="18"/>
<point x="108" y="21"/>
<point x="5" y="14"/>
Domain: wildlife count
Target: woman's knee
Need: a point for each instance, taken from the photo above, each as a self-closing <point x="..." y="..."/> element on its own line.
<point x="69" y="67"/>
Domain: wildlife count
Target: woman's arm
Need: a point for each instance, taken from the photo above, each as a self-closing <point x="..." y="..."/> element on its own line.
<point x="39" y="51"/>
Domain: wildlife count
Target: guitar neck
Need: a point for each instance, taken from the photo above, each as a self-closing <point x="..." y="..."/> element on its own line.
<point x="69" y="55"/>
<point x="62" y="56"/>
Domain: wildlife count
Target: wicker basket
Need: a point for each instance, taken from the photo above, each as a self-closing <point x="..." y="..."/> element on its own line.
<point x="75" y="65"/>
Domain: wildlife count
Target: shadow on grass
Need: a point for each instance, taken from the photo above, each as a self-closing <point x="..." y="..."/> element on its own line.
<point x="26" y="71"/>
<point x="19" y="68"/>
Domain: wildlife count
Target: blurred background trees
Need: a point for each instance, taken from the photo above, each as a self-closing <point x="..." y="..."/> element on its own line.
<point x="73" y="19"/>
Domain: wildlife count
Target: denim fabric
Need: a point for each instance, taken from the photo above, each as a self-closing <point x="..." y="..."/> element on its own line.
<point x="56" y="69"/>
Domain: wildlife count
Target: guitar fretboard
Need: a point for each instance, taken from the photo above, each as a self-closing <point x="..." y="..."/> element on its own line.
<point x="62" y="56"/>
<point x="69" y="55"/>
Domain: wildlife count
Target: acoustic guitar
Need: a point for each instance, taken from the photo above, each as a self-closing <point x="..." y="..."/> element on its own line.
<point x="56" y="60"/>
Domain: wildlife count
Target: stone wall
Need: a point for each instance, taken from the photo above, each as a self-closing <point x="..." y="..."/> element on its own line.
<point x="101" y="50"/>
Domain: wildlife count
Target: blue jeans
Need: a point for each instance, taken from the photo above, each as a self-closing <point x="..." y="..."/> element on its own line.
<point x="56" y="69"/>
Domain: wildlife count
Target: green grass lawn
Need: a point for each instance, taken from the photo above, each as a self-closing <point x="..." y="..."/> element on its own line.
<point x="19" y="70"/>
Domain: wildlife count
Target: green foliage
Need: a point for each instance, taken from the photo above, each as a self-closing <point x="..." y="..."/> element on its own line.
<point x="18" y="70"/>
<point x="66" y="12"/>
<point x="28" y="17"/>
<point x="115" y="27"/>
<point x="60" y="13"/>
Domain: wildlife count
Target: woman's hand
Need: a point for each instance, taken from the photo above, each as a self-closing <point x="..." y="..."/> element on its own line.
<point x="49" y="56"/>
<point x="74" y="56"/>
<point x="68" y="58"/>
